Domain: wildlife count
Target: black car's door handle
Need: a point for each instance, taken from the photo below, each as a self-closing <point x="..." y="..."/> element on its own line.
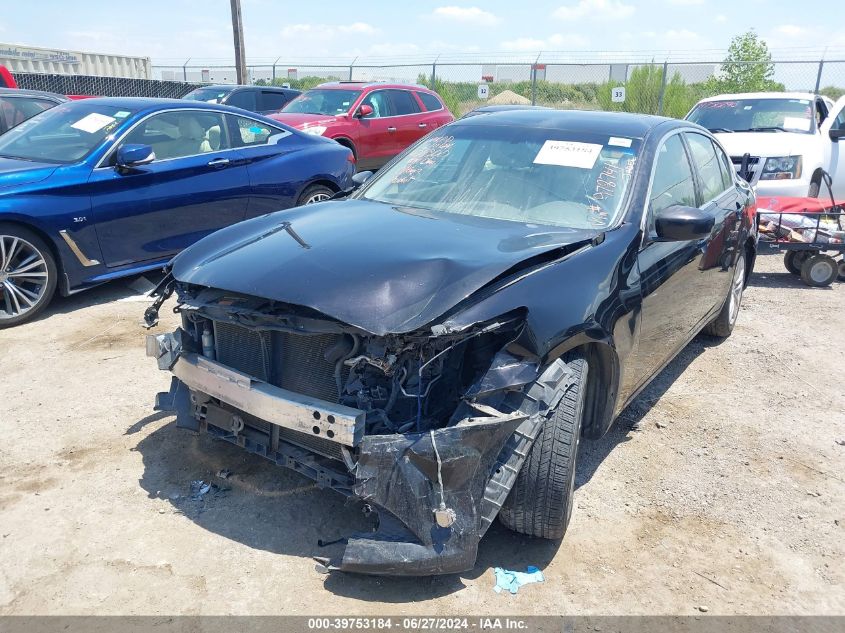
<point x="218" y="162"/>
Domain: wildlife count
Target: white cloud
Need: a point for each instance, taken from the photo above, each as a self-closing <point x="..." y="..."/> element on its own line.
<point x="791" y="30"/>
<point x="558" y="41"/>
<point x="721" y="18"/>
<point x="686" y="3"/>
<point x="467" y="15"/>
<point x="327" y="31"/>
<point x="608" y="9"/>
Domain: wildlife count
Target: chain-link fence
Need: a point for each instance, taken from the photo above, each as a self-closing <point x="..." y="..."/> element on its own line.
<point x="103" y="86"/>
<point x="668" y="88"/>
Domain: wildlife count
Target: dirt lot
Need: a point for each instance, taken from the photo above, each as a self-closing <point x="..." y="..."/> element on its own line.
<point x="721" y="487"/>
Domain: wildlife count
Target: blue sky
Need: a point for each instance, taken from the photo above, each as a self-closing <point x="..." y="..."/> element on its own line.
<point x="170" y="31"/>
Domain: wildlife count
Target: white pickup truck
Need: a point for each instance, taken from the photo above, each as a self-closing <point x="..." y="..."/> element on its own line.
<point x="790" y="138"/>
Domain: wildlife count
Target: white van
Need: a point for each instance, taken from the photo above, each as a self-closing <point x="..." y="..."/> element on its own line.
<point x="789" y="137"/>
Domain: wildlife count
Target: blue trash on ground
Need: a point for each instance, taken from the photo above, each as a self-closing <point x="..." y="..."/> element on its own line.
<point x="507" y="580"/>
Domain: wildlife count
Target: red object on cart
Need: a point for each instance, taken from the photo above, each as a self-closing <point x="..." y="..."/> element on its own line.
<point x="780" y="204"/>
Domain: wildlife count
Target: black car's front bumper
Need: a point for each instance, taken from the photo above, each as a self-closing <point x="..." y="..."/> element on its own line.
<point x="435" y="493"/>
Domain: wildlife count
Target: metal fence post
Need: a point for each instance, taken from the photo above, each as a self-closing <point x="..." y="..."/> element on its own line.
<point x="662" y="87"/>
<point x="819" y="77"/>
<point x="274" y="70"/>
<point x="433" y="74"/>
<point x="534" y="80"/>
<point x="185" y="69"/>
<point x="351" y="66"/>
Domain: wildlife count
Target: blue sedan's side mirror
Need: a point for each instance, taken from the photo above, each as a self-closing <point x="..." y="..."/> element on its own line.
<point x="361" y="177"/>
<point x="133" y="155"/>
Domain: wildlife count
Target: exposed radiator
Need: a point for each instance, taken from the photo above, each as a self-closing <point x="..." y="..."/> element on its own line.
<point x="296" y="362"/>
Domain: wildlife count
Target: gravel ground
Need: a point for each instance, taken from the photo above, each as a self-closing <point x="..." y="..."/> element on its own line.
<point x="720" y="489"/>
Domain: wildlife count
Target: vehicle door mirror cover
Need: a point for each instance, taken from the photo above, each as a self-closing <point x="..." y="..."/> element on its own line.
<point x="680" y="223"/>
<point x="361" y="177"/>
<point x="365" y="110"/>
<point x="835" y="135"/>
<point x="133" y="155"/>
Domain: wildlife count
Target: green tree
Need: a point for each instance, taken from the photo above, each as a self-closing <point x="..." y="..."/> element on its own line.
<point x="748" y="67"/>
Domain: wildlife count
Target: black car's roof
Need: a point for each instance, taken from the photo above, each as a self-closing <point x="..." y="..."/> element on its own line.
<point x="612" y="123"/>
<point x="23" y="92"/>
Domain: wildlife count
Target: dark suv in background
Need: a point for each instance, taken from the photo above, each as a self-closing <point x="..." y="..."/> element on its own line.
<point x="260" y="99"/>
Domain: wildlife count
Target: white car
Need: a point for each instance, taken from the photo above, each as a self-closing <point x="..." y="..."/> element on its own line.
<point x="790" y="139"/>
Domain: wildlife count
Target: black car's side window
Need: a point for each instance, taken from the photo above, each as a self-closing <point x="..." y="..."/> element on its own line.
<point x="273" y="100"/>
<point x="248" y="132"/>
<point x="672" y="183"/>
<point x="706" y="161"/>
<point x="244" y="99"/>
<point x="181" y="133"/>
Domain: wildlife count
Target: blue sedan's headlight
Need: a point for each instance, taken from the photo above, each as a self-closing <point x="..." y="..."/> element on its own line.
<point x="781" y="168"/>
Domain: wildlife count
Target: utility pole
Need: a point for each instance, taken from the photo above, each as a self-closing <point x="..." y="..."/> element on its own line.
<point x="238" y="33"/>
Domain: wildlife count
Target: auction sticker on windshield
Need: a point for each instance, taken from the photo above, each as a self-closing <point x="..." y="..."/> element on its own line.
<point x="568" y="154"/>
<point x="92" y="122"/>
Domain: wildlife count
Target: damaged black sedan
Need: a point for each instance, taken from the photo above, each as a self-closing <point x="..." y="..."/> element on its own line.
<point x="436" y="344"/>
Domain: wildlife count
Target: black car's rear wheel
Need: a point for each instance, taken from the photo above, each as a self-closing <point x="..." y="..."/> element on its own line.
<point x="27" y="275"/>
<point x="540" y="502"/>
<point x="841" y="268"/>
<point x="723" y="325"/>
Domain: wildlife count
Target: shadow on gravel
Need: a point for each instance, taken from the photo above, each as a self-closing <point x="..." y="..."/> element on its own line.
<point x="270" y="508"/>
<point x="782" y="280"/>
<point x="105" y="293"/>
<point x="592" y="453"/>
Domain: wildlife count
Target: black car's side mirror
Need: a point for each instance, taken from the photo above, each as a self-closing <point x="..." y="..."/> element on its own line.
<point x="679" y="223"/>
<point x="134" y="155"/>
<point x="835" y="135"/>
<point x="361" y="177"/>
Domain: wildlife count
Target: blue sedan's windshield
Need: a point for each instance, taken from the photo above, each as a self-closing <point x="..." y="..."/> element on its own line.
<point x="67" y="133"/>
<point x="517" y="173"/>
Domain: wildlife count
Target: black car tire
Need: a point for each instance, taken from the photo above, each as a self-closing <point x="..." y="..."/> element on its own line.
<point x="793" y="260"/>
<point x="540" y="502"/>
<point x="37" y="245"/>
<point x="819" y="270"/>
<point x="723" y="325"/>
<point x="314" y="194"/>
<point x="841" y="273"/>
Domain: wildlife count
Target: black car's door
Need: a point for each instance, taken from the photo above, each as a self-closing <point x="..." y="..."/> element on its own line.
<point x="197" y="184"/>
<point x="721" y="199"/>
<point x="678" y="283"/>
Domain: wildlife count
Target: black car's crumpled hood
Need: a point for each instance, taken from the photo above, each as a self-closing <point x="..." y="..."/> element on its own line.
<point x="380" y="268"/>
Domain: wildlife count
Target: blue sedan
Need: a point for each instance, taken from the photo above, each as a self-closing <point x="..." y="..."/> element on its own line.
<point x="98" y="189"/>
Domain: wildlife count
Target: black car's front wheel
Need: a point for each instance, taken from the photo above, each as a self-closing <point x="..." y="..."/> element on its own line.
<point x="723" y="325"/>
<point x="27" y="275"/>
<point x="540" y="502"/>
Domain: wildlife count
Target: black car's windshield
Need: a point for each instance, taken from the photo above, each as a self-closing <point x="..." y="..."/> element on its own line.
<point x="755" y="115"/>
<point x="321" y="101"/>
<point x="209" y="95"/>
<point x="65" y="134"/>
<point x="515" y="173"/>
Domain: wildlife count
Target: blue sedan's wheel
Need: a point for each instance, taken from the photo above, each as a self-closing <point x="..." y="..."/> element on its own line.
<point x="315" y="194"/>
<point x="27" y="275"/>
